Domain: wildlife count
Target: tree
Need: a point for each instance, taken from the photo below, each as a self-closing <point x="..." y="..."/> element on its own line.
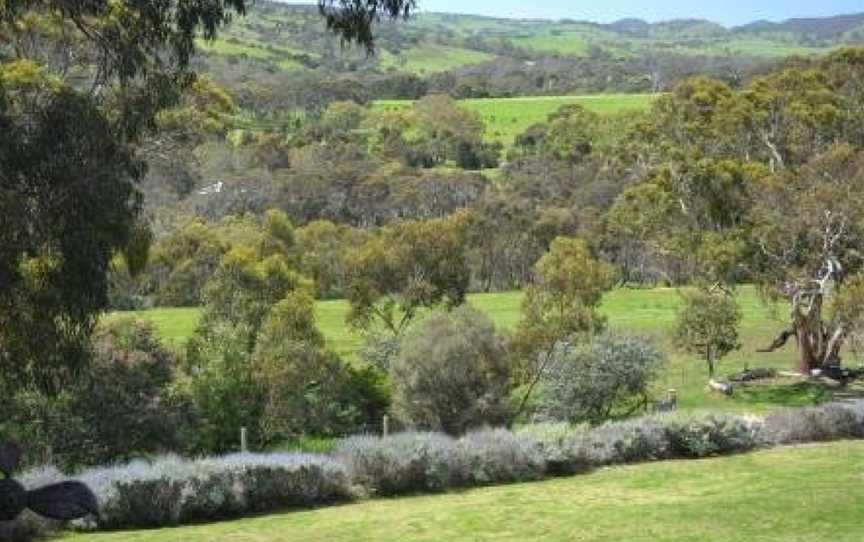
<point x="242" y="291"/>
<point x="806" y="250"/>
<point x="406" y="267"/>
<point x="68" y="161"/>
<point x="559" y="307"/>
<point x="308" y="389"/>
<point x="452" y="373"/>
<point x="708" y="325"/>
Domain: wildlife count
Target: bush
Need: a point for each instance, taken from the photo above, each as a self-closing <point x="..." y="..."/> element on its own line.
<point x="607" y="378"/>
<point x="402" y="463"/>
<point x="814" y="424"/>
<point x="120" y="407"/>
<point x="174" y="491"/>
<point x="569" y="450"/>
<point x="493" y="456"/>
<point x="712" y="435"/>
<point x="452" y="374"/>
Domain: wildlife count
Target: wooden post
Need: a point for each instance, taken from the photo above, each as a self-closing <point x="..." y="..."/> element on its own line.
<point x="385" y="428"/>
<point x="672" y="398"/>
<point x="244" y="441"/>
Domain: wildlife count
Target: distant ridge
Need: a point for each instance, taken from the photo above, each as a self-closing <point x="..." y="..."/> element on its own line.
<point x="823" y="27"/>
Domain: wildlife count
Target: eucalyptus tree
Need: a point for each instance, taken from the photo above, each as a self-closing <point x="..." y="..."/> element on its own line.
<point x="82" y="83"/>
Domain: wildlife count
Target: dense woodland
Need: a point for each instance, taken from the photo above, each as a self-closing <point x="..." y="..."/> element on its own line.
<point x="143" y="187"/>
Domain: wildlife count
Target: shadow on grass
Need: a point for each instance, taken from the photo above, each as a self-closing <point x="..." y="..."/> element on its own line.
<point x="784" y="395"/>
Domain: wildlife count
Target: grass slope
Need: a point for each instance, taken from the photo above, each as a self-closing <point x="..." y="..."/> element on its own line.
<point x="431" y="58"/>
<point x="647" y="312"/>
<point x="810" y="493"/>
<point x="505" y="118"/>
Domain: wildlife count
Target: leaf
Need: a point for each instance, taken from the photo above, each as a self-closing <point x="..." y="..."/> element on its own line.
<point x="64" y="501"/>
<point x="10" y="454"/>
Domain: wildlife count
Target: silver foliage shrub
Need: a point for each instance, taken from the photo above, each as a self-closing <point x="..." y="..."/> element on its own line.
<point x="607" y="378"/>
<point x="494" y="456"/>
<point x="814" y="424"/>
<point x="401" y="463"/>
<point x="712" y="435"/>
<point x="174" y="491"/>
<point x="571" y="449"/>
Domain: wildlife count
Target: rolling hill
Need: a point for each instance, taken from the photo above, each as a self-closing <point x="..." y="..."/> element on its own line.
<point x="288" y="37"/>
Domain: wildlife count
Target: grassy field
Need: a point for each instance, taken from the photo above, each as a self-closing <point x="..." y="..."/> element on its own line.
<point x="647" y="312"/>
<point x="431" y="58"/>
<point x="806" y="494"/>
<point x="505" y="118"/>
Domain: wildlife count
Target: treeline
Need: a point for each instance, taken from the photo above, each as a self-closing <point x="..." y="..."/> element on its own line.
<point x="644" y="190"/>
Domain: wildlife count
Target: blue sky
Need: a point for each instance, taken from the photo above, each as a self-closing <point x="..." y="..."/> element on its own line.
<point x="729" y="12"/>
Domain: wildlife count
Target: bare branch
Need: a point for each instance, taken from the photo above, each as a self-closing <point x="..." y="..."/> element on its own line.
<point x="779" y="342"/>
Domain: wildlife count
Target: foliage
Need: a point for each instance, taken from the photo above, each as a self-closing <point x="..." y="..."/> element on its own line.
<point x="402" y="463"/>
<point x="495" y="456"/>
<point x="606" y="512"/>
<point x="452" y="373"/>
<point x="560" y="306"/>
<point x="309" y="390"/>
<point x="174" y="491"/>
<point x="406" y="267"/>
<point x="609" y="377"/>
<point x="122" y="407"/>
<point x="223" y="391"/>
<point x="708" y="325"/>
<point x="712" y="435"/>
<point x="825" y="423"/>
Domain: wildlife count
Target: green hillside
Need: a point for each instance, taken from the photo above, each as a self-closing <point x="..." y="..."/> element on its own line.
<point x="289" y="37"/>
<point x="807" y="493"/>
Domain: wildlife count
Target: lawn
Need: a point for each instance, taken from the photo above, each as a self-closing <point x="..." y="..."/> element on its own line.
<point x="808" y="493"/>
<point x="505" y="118"/>
<point x="649" y="312"/>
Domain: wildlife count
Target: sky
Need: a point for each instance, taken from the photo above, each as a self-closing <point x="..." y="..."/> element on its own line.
<point x="726" y="12"/>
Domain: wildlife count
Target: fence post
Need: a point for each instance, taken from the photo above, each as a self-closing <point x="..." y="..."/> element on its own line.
<point x="385" y="428"/>
<point x="244" y="441"/>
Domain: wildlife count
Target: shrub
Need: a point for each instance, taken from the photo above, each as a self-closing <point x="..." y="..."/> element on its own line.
<point x="712" y="435"/>
<point x="630" y="441"/>
<point x="492" y="456"/>
<point x="120" y="407"/>
<point x="571" y="449"/>
<point x="607" y="378"/>
<point x="708" y="325"/>
<point x="173" y="491"/>
<point x="452" y="374"/>
<point x="814" y="424"/>
<point x="402" y="463"/>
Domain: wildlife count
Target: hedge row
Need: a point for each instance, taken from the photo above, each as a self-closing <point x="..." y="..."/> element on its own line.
<point x="175" y="491"/>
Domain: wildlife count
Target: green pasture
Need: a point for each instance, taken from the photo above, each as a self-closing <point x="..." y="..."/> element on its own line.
<point x="431" y="58"/>
<point x="808" y="493"/>
<point x="505" y="118"/>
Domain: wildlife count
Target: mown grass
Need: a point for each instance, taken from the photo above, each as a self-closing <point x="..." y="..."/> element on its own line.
<point x="649" y="312"/>
<point x="809" y="493"/>
<point x="505" y="118"/>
